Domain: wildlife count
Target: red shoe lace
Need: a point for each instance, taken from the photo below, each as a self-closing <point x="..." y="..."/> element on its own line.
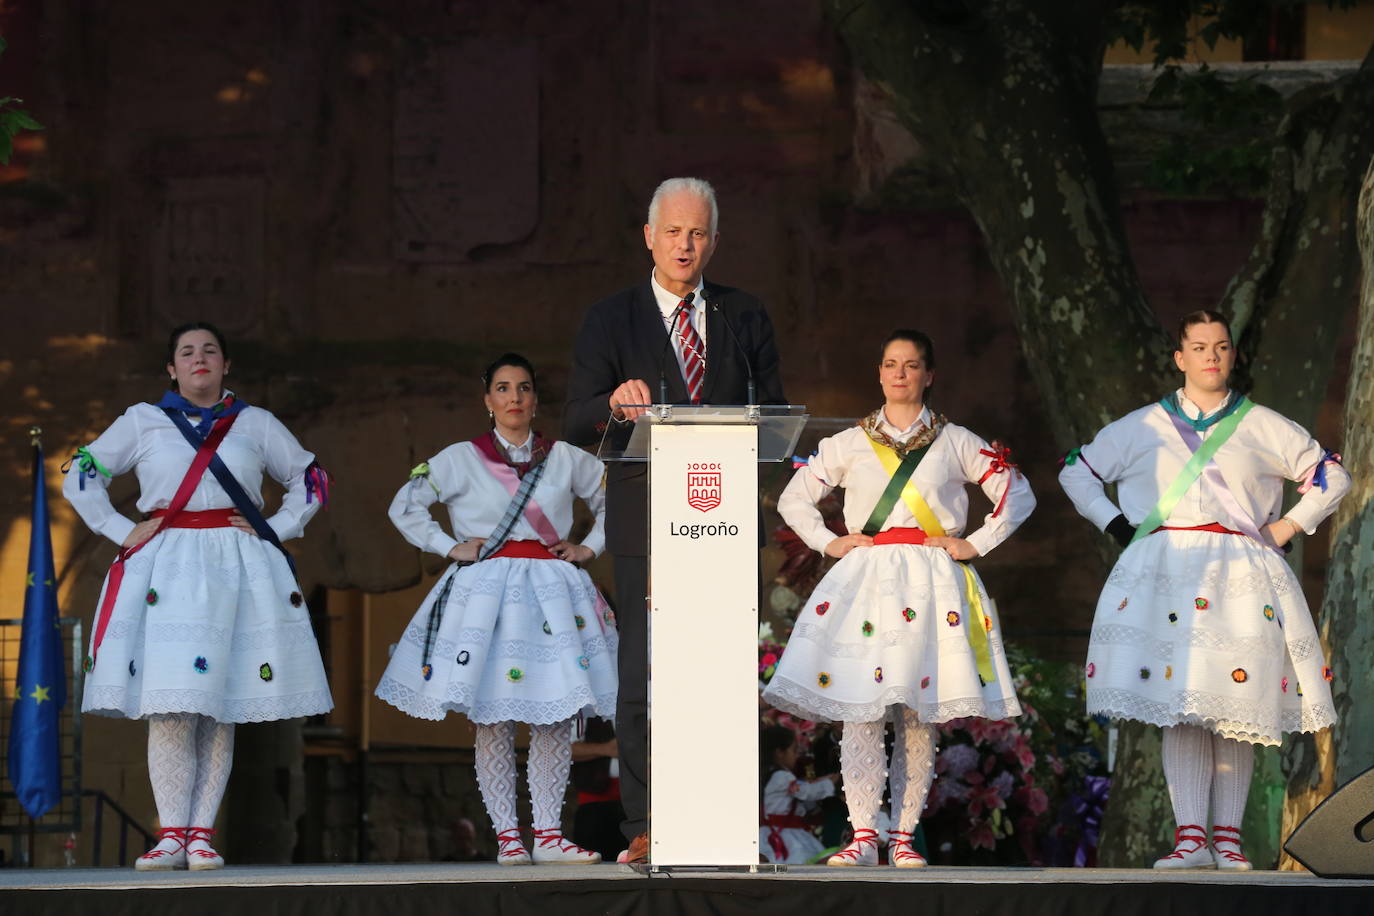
<point x="180" y="834"/>
<point x="509" y="844"/>
<point x="554" y="838"/>
<point x="855" y="848"/>
<point x="203" y="834"/>
<point x="899" y="846"/>
<point x="1192" y="833"/>
<point x="1237" y="855"/>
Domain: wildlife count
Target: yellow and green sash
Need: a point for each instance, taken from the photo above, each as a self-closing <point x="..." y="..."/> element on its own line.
<point x="899" y="485"/>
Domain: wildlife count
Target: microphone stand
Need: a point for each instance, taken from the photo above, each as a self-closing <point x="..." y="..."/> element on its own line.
<point x="752" y="395"/>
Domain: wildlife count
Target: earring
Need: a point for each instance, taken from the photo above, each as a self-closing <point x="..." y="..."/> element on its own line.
<point x="490" y="415"/>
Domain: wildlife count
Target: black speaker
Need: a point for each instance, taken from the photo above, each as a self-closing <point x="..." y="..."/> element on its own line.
<point x="1337" y="839"/>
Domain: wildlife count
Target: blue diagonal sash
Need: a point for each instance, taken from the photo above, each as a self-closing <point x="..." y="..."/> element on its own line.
<point x="226" y="479"/>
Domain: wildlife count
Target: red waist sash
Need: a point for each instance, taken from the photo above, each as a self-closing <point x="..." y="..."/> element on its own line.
<point x="206" y="518"/>
<point x="900" y="536"/>
<point x="524" y="550"/>
<point x="1215" y="527"/>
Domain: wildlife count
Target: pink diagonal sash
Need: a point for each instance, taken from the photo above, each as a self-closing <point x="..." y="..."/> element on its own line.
<point x="504" y="473"/>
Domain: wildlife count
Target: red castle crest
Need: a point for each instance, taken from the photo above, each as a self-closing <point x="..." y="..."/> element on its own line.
<point x="703" y="489"/>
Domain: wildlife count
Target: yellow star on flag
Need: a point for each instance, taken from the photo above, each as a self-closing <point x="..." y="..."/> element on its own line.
<point x="40" y="694"/>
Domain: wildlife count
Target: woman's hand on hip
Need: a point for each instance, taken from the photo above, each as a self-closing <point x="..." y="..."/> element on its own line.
<point x="845" y="543"/>
<point x="957" y="548"/>
<point x="573" y="553"/>
<point x="242" y="524"/>
<point x="142" y="531"/>
<point x="466" y="551"/>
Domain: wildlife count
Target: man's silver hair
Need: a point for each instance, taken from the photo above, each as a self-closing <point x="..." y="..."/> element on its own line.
<point x="698" y="186"/>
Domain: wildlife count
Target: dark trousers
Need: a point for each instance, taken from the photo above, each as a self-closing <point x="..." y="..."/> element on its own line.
<point x="632" y="705"/>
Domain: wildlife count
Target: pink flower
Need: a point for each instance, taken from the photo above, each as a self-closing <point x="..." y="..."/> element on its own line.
<point x="984" y="797"/>
<point x="981" y="836"/>
<point x="1037" y="801"/>
<point x="769" y="660"/>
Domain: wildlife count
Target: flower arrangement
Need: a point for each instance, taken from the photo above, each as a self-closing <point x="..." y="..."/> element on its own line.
<point x="1029" y="790"/>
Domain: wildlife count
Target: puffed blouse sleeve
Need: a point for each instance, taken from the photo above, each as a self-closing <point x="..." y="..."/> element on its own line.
<point x="812" y="483"/>
<point x="1324" y="480"/>
<point x="1005" y="486"/>
<point x="115" y="452"/>
<point x="287" y="462"/>
<point x="433" y="481"/>
<point x="589" y="483"/>
<point x="1087" y="470"/>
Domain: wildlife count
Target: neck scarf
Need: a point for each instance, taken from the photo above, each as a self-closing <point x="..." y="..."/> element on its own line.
<point x="539" y="450"/>
<point x="872" y="427"/>
<point x="1170" y="402"/>
<point x="226" y="406"/>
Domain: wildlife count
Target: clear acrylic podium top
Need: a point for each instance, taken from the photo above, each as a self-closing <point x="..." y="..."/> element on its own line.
<point x="780" y="425"/>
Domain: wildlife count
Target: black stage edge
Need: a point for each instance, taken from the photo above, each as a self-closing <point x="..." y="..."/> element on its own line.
<point x="477" y="890"/>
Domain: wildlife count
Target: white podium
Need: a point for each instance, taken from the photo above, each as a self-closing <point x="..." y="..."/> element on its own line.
<point x="703" y="625"/>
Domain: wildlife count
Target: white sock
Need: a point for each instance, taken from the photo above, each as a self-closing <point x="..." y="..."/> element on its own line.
<point x="1188" y="771"/>
<point x="550" y="757"/>
<point x="172" y="767"/>
<point x="861" y="762"/>
<point x="495" y="758"/>
<point x="214" y="760"/>
<point x="913" y="768"/>
<point x="1233" y="764"/>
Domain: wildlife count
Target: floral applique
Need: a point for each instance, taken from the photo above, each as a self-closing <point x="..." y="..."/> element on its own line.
<point x="580" y="621"/>
<point x="1201" y="604"/>
<point x="1240" y="676"/>
<point x="151" y="597"/>
<point x="925" y="682"/>
<point x="878" y="675"/>
<point x="1122" y="605"/>
<point x="515" y="675"/>
<point x="583" y="662"/>
<point x="133" y="670"/>
<point x="1168" y="672"/>
<point x="908" y="614"/>
<point x="823" y="679"/>
<point x="1327" y="674"/>
<point x="463" y="657"/>
<point x="426" y="671"/>
<point x="296" y="599"/>
<point x="1268" y="612"/>
<point x="1144" y="674"/>
<point x="200" y="664"/>
<point x="822" y="608"/>
<point x="867" y="628"/>
<point x="1090" y="670"/>
<point x="1173" y="618"/>
<point x="952" y="618"/>
<point x="265" y="671"/>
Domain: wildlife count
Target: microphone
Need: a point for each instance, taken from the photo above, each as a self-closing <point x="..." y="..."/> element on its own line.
<point x="753" y="397"/>
<point x="663" y="356"/>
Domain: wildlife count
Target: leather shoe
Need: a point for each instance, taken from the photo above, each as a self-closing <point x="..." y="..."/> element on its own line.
<point x="638" y="853"/>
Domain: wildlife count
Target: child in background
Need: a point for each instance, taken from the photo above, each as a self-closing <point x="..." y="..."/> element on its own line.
<point x="784" y="835"/>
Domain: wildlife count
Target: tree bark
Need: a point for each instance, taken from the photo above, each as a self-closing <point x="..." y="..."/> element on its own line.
<point x="1346" y="622"/>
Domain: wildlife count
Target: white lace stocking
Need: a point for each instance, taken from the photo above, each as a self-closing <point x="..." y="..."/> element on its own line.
<point x="550" y="757"/>
<point x="214" y="760"/>
<point x="1188" y="771"/>
<point x="495" y="757"/>
<point x="1234" y="764"/>
<point x="172" y="766"/>
<point x="912" y="769"/>
<point x="861" y="762"/>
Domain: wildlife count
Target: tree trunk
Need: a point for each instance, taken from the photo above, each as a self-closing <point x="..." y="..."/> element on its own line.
<point x="1346" y="621"/>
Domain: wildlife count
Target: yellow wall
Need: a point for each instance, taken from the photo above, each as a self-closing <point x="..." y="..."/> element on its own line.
<point x="1331" y="35"/>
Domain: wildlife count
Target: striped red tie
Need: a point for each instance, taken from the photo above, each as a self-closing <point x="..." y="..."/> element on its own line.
<point x="690" y="349"/>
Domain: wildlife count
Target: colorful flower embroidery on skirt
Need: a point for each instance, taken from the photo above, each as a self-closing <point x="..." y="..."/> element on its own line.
<point x="823" y="679"/>
<point x="200" y="664"/>
<point x="265" y="671"/>
<point x="1239" y="676"/>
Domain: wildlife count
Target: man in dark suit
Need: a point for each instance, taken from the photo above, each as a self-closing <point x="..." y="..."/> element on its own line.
<point x="675" y="330"/>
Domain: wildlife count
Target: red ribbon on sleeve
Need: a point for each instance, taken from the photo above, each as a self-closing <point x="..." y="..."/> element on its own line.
<point x="1001" y="463"/>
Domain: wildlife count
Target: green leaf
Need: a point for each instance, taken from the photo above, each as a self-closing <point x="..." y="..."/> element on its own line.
<point x="23" y="120"/>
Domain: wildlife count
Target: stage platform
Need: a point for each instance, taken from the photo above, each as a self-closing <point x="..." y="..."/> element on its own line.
<point x="473" y="889"/>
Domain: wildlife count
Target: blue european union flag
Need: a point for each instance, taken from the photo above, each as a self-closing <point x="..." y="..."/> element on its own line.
<point x="41" y="688"/>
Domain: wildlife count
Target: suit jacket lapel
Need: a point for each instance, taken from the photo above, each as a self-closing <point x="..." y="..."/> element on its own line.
<point x="717" y="344"/>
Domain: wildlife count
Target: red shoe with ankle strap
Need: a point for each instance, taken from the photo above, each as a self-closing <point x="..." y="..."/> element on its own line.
<point x="1230" y="859"/>
<point x="901" y="853"/>
<point x="511" y="849"/>
<point x="550" y="848"/>
<point x="168" y="854"/>
<point x="862" y="851"/>
<point x="200" y="855"/>
<point x="1190" y="850"/>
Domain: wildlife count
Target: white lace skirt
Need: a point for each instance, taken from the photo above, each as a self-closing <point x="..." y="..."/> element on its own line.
<point x="1208" y="629"/>
<point x="889" y="626"/>
<point x="519" y="640"/>
<point x="208" y="621"/>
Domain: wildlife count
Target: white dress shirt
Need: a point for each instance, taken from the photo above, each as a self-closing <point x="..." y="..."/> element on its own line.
<point x="146" y="441"/>
<point x="847" y="460"/>
<point x="1142" y="452"/>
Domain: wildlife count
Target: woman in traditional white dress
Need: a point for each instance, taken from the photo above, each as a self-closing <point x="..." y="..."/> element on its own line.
<point x="513" y="631"/>
<point x="201" y="623"/>
<point x="1202" y="628"/>
<point x="902" y="625"/>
